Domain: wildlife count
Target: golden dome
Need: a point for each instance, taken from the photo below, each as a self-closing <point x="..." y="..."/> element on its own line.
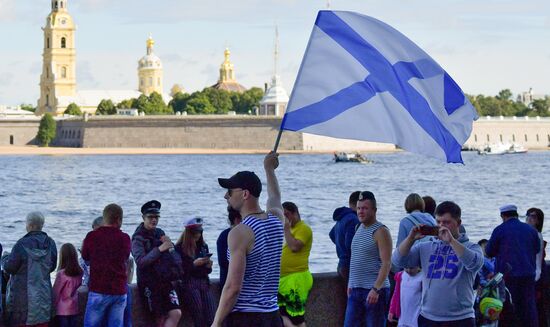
<point x="226" y="54"/>
<point x="150" y="42"/>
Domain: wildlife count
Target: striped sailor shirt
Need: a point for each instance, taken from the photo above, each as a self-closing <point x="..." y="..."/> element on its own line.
<point x="365" y="258"/>
<point x="263" y="265"/>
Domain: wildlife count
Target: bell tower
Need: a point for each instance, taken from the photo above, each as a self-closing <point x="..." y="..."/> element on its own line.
<point x="58" y="76"/>
<point x="227" y="73"/>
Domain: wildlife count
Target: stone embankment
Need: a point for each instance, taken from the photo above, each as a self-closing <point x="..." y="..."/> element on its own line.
<point x="325" y="307"/>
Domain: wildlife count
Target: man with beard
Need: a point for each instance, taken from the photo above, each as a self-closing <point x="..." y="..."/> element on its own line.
<point x="249" y="297"/>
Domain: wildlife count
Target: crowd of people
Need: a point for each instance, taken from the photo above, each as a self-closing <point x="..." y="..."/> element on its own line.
<point x="436" y="276"/>
<point x="433" y="275"/>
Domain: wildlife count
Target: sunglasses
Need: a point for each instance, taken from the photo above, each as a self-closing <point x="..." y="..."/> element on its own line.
<point x="231" y="191"/>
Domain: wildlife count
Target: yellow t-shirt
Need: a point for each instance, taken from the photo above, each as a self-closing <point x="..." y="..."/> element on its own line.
<point x="292" y="262"/>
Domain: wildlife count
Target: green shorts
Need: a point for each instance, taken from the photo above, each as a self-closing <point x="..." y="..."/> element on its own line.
<point x="293" y="292"/>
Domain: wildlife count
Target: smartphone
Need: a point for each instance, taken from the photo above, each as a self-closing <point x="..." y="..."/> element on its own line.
<point x="208" y="255"/>
<point x="429" y="230"/>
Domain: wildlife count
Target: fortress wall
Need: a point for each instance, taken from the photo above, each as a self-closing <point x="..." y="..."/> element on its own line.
<point x="530" y="132"/>
<point x="18" y="132"/>
<point x="184" y="132"/>
<point x="241" y="132"/>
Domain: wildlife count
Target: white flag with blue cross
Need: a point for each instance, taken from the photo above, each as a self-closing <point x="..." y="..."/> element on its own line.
<point x="362" y="79"/>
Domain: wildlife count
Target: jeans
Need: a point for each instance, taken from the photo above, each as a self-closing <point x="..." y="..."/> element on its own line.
<point x="361" y="313"/>
<point x="128" y="308"/>
<point x="104" y="310"/>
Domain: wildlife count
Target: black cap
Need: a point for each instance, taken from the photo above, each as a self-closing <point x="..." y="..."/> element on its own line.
<point x="247" y="180"/>
<point x="152" y="206"/>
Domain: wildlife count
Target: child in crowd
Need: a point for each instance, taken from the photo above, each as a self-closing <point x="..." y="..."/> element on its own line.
<point x="67" y="281"/>
<point x="407" y="297"/>
<point x="488" y="270"/>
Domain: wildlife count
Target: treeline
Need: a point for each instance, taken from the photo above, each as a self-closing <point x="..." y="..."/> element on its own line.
<point x="504" y="105"/>
<point x="214" y="101"/>
<point x="207" y="101"/>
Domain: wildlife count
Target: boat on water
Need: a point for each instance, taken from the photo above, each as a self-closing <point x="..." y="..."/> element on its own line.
<point x="350" y="157"/>
<point x="502" y="148"/>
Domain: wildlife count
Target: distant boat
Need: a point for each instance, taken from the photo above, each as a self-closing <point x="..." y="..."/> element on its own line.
<point x="350" y="157"/>
<point x="502" y="148"/>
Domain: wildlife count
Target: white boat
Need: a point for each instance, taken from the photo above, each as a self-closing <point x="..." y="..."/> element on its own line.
<point x="502" y="148"/>
<point x="350" y="157"/>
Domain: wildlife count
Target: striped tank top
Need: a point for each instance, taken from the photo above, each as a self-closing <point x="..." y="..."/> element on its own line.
<point x="365" y="259"/>
<point x="263" y="266"/>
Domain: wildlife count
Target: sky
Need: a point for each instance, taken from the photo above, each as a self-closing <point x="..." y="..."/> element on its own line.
<point x="485" y="45"/>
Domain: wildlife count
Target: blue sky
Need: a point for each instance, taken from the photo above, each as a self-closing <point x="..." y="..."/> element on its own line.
<point x="485" y="46"/>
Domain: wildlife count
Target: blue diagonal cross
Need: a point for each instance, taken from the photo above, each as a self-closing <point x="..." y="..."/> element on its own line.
<point x="383" y="77"/>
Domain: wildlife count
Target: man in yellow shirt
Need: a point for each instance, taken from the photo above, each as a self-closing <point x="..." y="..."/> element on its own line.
<point x="296" y="280"/>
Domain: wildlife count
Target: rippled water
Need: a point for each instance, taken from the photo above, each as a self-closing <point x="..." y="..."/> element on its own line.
<point x="72" y="190"/>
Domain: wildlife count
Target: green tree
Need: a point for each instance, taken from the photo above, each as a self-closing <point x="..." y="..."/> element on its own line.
<point x="28" y="107"/>
<point x="141" y="103"/>
<point x="156" y="105"/>
<point x="540" y="107"/>
<point x="106" y="107"/>
<point x="73" y="109"/>
<point x="179" y="101"/>
<point x="504" y="95"/>
<point x="46" y="130"/>
<point x="246" y="101"/>
<point x="220" y="99"/>
<point x="199" y="104"/>
<point x="126" y="104"/>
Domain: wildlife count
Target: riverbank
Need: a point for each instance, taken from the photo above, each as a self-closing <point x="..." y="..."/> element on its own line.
<point x="60" y="151"/>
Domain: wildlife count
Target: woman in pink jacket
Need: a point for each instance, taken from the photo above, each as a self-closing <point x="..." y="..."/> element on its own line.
<point x="67" y="281"/>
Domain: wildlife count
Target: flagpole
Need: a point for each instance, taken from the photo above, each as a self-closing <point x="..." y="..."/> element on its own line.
<point x="278" y="139"/>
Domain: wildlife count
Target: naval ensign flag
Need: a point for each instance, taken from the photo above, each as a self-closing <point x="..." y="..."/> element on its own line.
<point x="362" y="79"/>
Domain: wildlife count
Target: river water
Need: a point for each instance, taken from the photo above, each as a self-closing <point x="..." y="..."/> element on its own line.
<point x="72" y="190"/>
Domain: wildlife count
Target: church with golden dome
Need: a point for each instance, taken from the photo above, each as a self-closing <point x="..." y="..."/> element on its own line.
<point x="58" y="84"/>
<point x="58" y="80"/>
<point x="227" y="79"/>
<point x="150" y="71"/>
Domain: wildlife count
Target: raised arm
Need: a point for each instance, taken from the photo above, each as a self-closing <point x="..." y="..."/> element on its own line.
<point x="405" y="254"/>
<point x="273" y="206"/>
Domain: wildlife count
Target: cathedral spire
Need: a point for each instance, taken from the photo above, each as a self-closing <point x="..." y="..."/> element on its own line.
<point x="276" y="51"/>
<point x="150" y="43"/>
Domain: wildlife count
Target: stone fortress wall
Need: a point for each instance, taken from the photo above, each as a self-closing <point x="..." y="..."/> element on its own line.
<point x="242" y="132"/>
